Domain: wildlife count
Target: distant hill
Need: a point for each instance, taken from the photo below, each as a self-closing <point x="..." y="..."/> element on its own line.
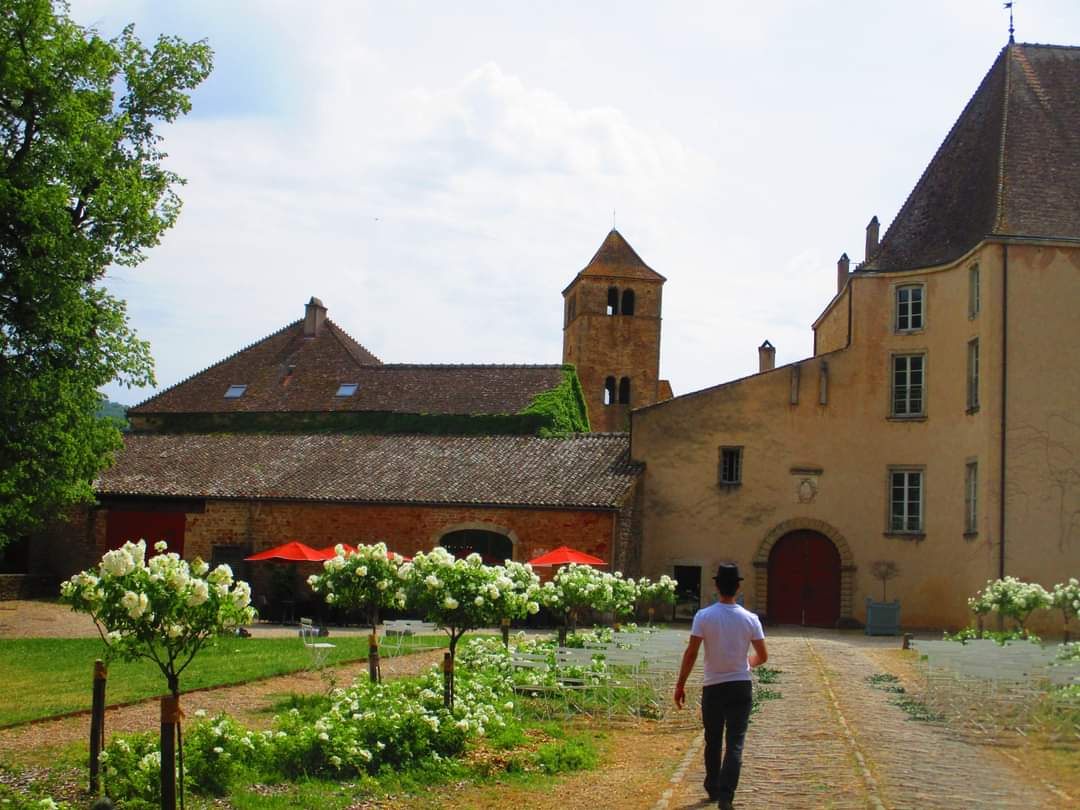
<point x="114" y="411"/>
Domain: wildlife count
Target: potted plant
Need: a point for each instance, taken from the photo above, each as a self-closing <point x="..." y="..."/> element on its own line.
<point x="883" y="618"/>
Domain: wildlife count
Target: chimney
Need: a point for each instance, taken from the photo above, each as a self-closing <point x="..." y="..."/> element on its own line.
<point x="871" y="239"/>
<point x="314" y="317"/>
<point x="843" y="267"/>
<point x="766" y="357"/>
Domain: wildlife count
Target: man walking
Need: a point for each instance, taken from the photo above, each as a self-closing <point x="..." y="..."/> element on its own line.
<point x="728" y="631"/>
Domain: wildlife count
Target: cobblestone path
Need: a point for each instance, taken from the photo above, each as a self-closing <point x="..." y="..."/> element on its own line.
<point x="835" y="742"/>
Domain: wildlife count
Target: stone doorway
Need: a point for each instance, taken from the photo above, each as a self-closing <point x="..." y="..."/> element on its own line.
<point x="804" y="580"/>
<point x="494" y="548"/>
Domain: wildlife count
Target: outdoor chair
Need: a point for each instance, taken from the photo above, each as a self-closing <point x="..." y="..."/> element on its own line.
<point x="319" y="650"/>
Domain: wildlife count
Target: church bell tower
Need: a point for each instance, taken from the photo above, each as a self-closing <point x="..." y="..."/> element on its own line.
<point x="611" y="333"/>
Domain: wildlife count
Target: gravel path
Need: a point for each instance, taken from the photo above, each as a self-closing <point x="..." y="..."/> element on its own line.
<point x="833" y="741"/>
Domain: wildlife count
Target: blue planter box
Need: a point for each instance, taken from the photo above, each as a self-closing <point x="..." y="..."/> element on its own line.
<point x="882" y="618"/>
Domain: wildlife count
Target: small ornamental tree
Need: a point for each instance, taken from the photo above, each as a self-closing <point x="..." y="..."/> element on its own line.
<point x="624" y="594"/>
<point x="1011" y="598"/>
<point x="462" y="595"/>
<point x="163" y="610"/>
<point x="1066" y="598"/>
<point x="651" y="594"/>
<point x="575" y="588"/>
<point x="365" y="580"/>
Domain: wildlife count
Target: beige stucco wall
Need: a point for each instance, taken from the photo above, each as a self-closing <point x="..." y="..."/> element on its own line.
<point x="831" y="330"/>
<point x="690" y="519"/>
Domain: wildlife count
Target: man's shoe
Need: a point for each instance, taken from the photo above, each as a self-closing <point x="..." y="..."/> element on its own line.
<point x="725" y="804"/>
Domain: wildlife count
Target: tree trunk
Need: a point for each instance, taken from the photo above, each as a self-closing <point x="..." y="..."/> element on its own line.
<point x="448" y="674"/>
<point x="170" y="717"/>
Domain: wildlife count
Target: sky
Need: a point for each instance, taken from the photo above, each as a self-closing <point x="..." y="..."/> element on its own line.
<point x="437" y="173"/>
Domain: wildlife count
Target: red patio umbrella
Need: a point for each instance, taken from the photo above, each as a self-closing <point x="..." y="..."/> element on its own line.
<point x="293" y="552"/>
<point x="564" y="555"/>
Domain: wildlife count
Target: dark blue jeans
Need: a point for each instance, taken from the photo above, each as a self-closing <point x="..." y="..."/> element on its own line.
<point x="725" y="707"/>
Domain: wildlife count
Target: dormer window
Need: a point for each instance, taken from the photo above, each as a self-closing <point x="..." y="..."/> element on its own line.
<point x="235" y="391"/>
<point x="347" y="389"/>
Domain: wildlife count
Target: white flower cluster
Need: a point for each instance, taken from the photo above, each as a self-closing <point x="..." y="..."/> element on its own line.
<point x="162" y="608"/>
<point x="366" y="579"/>
<point x="466" y="593"/>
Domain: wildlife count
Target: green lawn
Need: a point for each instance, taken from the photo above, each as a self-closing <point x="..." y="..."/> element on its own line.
<point x="46" y="677"/>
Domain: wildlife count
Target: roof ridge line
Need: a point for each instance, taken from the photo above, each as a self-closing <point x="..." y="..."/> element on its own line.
<point x="338" y="331"/>
<point x="999" y="204"/>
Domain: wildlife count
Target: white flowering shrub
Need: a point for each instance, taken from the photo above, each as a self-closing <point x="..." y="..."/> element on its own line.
<point x="131" y="764"/>
<point x="161" y="609"/>
<point x="1012" y="598"/>
<point x="652" y="594"/>
<point x="1066" y="597"/>
<point x="365" y="580"/>
<point x="576" y="588"/>
<point x="368" y="727"/>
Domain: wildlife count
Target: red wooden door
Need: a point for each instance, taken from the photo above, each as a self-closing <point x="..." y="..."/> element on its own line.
<point x="149" y="526"/>
<point x="804" y="580"/>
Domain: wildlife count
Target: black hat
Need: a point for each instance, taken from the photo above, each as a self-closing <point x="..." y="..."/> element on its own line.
<point x="727" y="572"/>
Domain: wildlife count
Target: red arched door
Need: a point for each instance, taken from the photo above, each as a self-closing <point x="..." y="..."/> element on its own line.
<point x="804" y="580"/>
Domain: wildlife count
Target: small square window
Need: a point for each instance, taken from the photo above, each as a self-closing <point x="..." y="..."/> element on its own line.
<point x="235" y="391"/>
<point x="909" y="308"/>
<point x="730" y="465"/>
<point x="347" y="389"/>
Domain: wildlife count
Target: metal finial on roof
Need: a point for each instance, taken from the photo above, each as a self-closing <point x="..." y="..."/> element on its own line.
<point x="612" y="219"/>
<point x="1009" y="6"/>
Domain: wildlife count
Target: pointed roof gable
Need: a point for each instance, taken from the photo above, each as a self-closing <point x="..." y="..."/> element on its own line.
<point x="1010" y="166"/>
<point x="287" y="370"/>
<point x="616" y="259"/>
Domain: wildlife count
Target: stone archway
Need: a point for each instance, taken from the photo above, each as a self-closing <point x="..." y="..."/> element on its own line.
<point x="847" y="563"/>
<point x="494" y="543"/>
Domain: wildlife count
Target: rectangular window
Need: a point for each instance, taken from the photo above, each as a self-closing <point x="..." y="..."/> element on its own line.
<point x="973" y="375"/>
<point x="730" y="465"/>
<point x="973" y="291"/>
<point x="905" y="501"/>
<point x="971" y="498"/>
<point x="909" y="308"/>
<point x="235" y="391"/>
<point x="908" y="382"/>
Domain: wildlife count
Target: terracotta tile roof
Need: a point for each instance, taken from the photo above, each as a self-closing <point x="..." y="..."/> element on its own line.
<point x="1010" y="166"/>
<point x="288" y="372"/>
<point x="583" y="471"/>
<point x="616" y="259"/>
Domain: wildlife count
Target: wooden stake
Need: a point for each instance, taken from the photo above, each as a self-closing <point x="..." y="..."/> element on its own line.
<point x="170" y="716"/>
<point x="97" y="725"/>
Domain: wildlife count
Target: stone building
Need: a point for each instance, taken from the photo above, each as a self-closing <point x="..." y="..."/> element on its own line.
<point x="306" y="435"/>
<point x="936" y="424"/>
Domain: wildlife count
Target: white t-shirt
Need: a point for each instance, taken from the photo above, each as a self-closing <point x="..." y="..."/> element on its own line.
<point x="727" y="631"/>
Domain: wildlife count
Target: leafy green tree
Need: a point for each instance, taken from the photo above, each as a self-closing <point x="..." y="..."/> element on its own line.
<point x="82" y="187"/>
